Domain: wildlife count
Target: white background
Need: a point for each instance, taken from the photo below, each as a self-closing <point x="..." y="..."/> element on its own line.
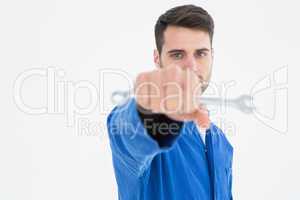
<point x="41" y="157"/>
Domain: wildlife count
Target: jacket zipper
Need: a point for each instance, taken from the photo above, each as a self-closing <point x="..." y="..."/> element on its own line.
<point x="210" y="161"/>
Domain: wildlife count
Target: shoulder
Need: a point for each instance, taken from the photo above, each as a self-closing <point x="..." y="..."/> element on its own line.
<point x="220" y="137"/>
<point x="127" y="108"/>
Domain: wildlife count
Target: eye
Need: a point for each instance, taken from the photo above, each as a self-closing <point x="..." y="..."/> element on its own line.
<point x="177" y="56"/>
<point x="201" y="54"/>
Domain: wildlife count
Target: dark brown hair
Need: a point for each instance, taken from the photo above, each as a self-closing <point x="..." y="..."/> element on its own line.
<point x="188" y="16"/>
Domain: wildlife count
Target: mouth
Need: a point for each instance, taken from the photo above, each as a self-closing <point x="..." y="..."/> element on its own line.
<point x="203" y="82"/>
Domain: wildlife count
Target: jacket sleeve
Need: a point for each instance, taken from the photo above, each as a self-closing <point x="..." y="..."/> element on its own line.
<point x="134" y="143"/>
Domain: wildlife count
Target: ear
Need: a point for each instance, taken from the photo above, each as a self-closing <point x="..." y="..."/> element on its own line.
<point x="156" y="58"/>
<point x="212" y="53"/>
<point x="212" y="56"/>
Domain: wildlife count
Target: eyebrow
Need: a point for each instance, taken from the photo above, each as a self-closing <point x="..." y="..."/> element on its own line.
<point x="181" y="50"/>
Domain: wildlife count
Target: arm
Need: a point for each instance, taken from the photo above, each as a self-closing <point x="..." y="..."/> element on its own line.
<point x="136" y="136"/>
<point x="160" y="127"/>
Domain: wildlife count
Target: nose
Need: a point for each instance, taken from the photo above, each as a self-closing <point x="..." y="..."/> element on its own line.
<point x="190" y="62"/>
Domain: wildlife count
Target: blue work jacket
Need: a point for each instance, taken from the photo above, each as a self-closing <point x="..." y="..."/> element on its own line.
<point x="185" y="169"/>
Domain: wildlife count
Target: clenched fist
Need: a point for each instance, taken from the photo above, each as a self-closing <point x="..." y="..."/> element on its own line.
<point x="172" y="91"/>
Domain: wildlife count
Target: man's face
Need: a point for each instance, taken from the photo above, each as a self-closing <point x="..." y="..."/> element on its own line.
<point x="187" y="48"/>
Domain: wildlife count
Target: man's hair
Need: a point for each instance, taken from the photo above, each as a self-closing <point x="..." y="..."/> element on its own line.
<point x="187" y="16"/>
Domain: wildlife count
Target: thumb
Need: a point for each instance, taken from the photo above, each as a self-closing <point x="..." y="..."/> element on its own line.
<point x="202" y="117"/>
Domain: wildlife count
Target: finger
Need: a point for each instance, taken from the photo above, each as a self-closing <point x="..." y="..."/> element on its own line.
<point x="141" y="90"/>
<point x="190" y="85"/>
<point x="184" y="117"/>
<point x="155" y="91"/>
<point x="173" y="91"/>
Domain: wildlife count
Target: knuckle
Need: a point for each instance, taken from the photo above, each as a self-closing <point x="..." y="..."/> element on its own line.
<point x="142" y="77"/>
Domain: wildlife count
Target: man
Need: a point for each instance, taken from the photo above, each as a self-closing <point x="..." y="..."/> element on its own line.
<point x="163" y="144"/>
